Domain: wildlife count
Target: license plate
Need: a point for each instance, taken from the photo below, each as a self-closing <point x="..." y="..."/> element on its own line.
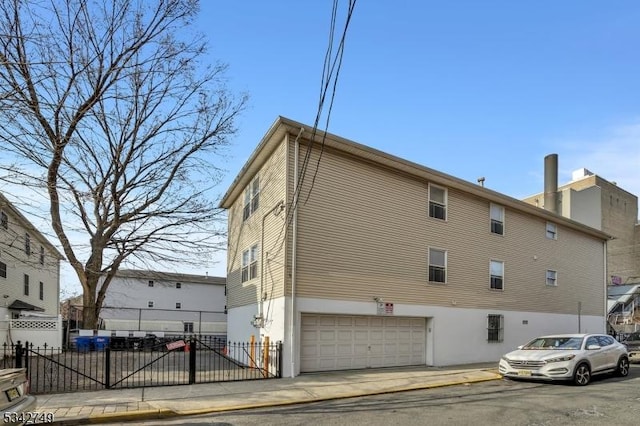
<point x="12" y="393"/>
<point x="526" y="373"/>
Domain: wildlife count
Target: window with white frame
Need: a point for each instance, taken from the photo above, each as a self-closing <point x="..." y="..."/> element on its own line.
<point x="4" y="220"/>
<point x="437" y="202"/>
<point x="178" y="305"/>
<point x="41" y="290"/>
<point x="188" y="327"/>
<point x="41" y="255"/>
<point x="552" y="278"/>
<point x="497" y="219"/>
<point x="495" y="328"/>
<point x="150" y="304"/>
<point x="178" y="285"/>
<point x="27" y="244"/>
<point x="552" y="231"/>
<point x="151" y="283"/>
<point x="437" y="265"/>
<point x="251" y="198"/>
<point x="26" y="284"/>
<point x="250" y="263"/>
<point x="3" y="270"/>
<point x="497" y="275"/>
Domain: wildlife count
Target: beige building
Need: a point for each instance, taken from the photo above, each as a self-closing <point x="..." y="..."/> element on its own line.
<point x="354" y="258"/>
<point x="29" y="266"/>
<point x="594" y="201"/>
<point x="29" y="282"/>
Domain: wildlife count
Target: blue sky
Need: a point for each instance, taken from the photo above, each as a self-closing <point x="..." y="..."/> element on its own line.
<point x="470" y="88"/>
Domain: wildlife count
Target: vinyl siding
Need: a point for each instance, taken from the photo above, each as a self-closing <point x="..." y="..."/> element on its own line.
<point x="365" y="232"/>
<point x="18" y="263"/>
<point x="243" y="234"/>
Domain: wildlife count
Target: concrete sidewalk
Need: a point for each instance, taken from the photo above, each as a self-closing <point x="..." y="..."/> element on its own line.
<point x="168" y="401"/>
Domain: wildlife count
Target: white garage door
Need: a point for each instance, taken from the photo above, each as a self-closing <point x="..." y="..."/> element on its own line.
<point x="342" y="342"/>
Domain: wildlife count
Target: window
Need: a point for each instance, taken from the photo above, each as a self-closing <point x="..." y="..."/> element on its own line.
<point x="41" y="290"/>
<point x="178" y="285"/>
<point x="151" y="283"/>
<point x="437" y="265"/>
<point x="150" y="304"/>
<point x="497" y="274"/>
<point x="3" y="270"/>
<point x="552" y="231"/>
<point x="552" y="278"/>
<point x="41" y="255"/>
<point x="437" y="202"/>
<point x="497" y="219"/>
<point x="250" y="263"/>
<point x="27" y="244"/>
<point x="251" y="199"/>
<point x="188" y="327"/>
<point x="495" y="328"/>
<point x="605" y="340"/>
<point x="593" y="340"/>
<point x="178" y="305"/>
<point x="26" y="284"/>
<point x="4" y="220"/>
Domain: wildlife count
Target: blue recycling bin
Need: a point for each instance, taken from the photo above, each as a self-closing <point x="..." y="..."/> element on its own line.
<point x="83" y="343"/>
<point x="100" y="343"/>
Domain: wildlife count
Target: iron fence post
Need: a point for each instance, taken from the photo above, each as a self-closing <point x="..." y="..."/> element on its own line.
<point x="192" y="360"/>
<point x="279" y="346"/>
<point x="18" y="355"/>
<point x="25" y="353"/>
<point x="107" y="367"/>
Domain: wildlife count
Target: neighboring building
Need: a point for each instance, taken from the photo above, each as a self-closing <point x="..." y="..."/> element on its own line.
<point x="354" y="258"/>
<point x="594" y="201"/>
<point x="165" y="302"/>
<point x="623" y="307"/>
<point x="29" y="277"/>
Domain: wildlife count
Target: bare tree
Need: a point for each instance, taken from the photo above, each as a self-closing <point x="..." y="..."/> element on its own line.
<point x="109" y="107"/>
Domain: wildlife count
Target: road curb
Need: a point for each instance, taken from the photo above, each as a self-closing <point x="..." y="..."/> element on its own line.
<point x="167" y="413"/>
<point x="338" y="396"/>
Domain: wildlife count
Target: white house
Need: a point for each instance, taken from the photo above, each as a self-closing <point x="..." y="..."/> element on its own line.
<point x="165" y="302"/>
<point x="29" y="281"/>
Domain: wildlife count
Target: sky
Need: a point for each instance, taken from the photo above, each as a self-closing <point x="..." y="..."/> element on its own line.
<point x="468" y="88"/>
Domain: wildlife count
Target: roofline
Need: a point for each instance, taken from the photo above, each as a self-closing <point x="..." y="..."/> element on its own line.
<point x="5" y="203"/>
<point x="173" y="276"/>
<point x="594" y="176"/>
<point x="283" y="126"/>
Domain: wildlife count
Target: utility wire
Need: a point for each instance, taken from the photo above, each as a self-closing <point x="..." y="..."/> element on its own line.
<point x="329" y="67"/>
<point x="330" y="73"/>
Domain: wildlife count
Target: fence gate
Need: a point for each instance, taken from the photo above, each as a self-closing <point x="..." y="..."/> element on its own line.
<point x="142" y="363"/>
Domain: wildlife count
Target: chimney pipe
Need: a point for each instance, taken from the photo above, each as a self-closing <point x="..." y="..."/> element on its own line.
<point x="551" y="183"/>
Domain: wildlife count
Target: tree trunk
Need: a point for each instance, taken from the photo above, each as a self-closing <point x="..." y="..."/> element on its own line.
<point x="90" y="311"/>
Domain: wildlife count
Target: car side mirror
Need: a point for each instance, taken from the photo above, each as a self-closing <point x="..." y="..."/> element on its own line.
<point x="593" y="347"/>
<point x="521" y="346"/>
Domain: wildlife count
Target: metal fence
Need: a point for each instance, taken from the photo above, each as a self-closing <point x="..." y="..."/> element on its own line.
<point x="147" y="362"/>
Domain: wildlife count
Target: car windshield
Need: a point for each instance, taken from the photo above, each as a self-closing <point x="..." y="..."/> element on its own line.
<point x="555" y="343"/>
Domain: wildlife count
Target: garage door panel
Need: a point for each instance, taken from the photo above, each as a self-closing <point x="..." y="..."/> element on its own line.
<point x="345" y="336"/>
<point x="361" y="335"/>
<point x="360" y="350"/>
<point x="335" y="342"/>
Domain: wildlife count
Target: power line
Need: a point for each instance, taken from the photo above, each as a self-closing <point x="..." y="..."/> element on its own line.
<point x="330" y="73"/>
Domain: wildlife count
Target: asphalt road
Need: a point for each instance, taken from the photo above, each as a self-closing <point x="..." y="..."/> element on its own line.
<point x="606" y="401"/>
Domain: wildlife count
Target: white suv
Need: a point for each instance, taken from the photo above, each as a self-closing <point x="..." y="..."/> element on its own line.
<point x="574" y="357"/>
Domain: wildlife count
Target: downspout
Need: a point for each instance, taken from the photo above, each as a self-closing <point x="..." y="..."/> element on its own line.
<point x="292" y="328"/>
<point x="606" y="293"/>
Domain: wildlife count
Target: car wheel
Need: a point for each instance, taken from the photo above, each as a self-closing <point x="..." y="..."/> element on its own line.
<point x="582" y="375"/>
<point x="623" y="367"/>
